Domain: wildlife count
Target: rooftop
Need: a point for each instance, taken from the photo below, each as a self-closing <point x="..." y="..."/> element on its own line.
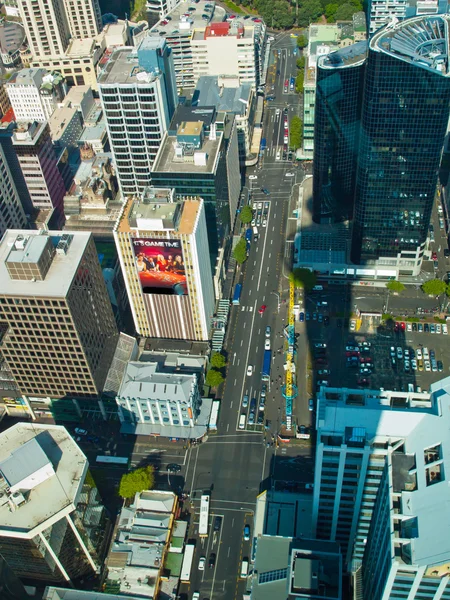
<point x="52" y="450"/>
<point x="142" y="380"/>
<point x="123" y="67"/>
<point x="54" y="593"/>
<point x="28" y="133"/>
<point x="12" y="36"/>
<point x="351" y="56"/>
<point x="236" y="29"/>
<point x="421" y="41"/>
<point x="221" y="93"/>
<point x="61" y="119"/>
<point x="168" y="160"/>
<point x="81" y="47"/>
<point x="183" y="19"/>
<point x="62" y="270"/>
<point x="27" y="77"/>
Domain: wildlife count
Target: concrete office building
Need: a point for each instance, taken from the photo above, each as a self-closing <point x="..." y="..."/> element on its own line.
<point x="227" y="94"/>
<point x="162" y="247"/>
<point x="323" y="40"/>
<point x="51" y="519"/>
<point x="83" y="17"/>
<point x="37" y="160"/>
<point x="199" y="157"/>
<point x="60" y="329"/>
<point x="138" y="95"/>
<point x="15" y="201"/>
<point x="178" y="32"/>
<point x="229" y="48"/>
<point x="381" y="12"/>
<point x="380" y="488"/>
<point x="35" y="94"/>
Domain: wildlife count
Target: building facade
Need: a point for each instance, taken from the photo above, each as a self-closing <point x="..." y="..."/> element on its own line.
<point x="162" y="245"/>
<point x="15" y="202"/>
<point x="381" y="12"/>
<point x="38" y="162"/>
<point x="138" y="94"/>
<point x="340" y="77"/>
<point x="51" y="516"/>
<point x="84" y="18"/>
<point x="46" y="27"/>
<point x="60" y="329"/>
<point x="406" y="92"/>
<point x="34" y="94"/>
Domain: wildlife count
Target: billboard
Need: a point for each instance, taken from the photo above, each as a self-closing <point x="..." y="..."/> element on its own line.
<point x="160" y="266"/>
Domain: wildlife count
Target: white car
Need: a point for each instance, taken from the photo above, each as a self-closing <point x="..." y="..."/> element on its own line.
<point x="286" y="139"/>
<point x="270" y="38"/>
<point x="278" y="155"/>
<point x="202" y="563"/>
<point x="352" y="325"/>
<point x="440" y="209"/>
<point x="427" y="365"/>
<point x="438" y="328"/>
<point x="249" y="370"/>
<point x="267" y="345"/>
<point x="259" y="205"/>
<point x="253" y="176"/>
<point x="196" y="596"/>
<point x="264" y="223"/>
<point x="419" y="353"/>
<point x="277" y="112"/>
<point x="408" y="326"/>
<point x="445" y="329"/>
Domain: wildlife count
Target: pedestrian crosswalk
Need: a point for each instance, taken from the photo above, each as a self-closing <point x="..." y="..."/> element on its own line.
<point x="247" y="308"/>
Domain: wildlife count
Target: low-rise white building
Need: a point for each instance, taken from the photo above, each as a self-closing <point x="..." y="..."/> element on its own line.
<point x="35" y="93"/>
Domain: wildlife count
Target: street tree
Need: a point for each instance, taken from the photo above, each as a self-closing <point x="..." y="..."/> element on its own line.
<point x="246" y="215"/>
<point x="395" y="286"/>
<point x="137" y="481"/>
<point x="218" y="360"/>
<point x="302" y="41"/>
<point x="303" y="278"/>
<point x="434" y="287"/>
<point x="295" y="133"/>
<point x="301" y="62"/>
<point x="214" y="378"/>
<point x="240" y="252"/>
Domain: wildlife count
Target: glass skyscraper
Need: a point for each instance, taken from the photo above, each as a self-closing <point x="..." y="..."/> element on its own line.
<point x="337" y="121"/>
<point x="404" y="119"/>
<point x="401" y="95"/>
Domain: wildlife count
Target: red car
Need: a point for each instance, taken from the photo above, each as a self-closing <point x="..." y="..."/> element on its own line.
<point x="262" y="309"/>
<point x="403" y="325"/>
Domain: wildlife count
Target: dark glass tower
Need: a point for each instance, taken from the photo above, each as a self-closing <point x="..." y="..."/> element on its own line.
<point x="405" y="112"/>
<point x="340" y="77"/>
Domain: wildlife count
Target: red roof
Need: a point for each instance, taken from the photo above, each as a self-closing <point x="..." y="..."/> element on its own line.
<point x="9" y="116"/>
<point x="217" y="30"/>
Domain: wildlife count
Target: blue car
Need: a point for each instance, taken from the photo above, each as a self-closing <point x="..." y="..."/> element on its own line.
<point x="302" y="317"/>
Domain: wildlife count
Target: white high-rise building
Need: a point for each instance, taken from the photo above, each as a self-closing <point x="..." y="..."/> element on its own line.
<point x="34" y="94"/>
<point x="84" y="18"/>
<point x="138" y="94"/>
<point x="46" y="26"/>
<point x="161" y="7"/>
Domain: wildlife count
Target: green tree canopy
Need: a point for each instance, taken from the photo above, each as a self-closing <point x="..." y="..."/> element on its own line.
<point x="214" y="378"/>
<point x="434" y="287"/>
<point x="330" y="12"/>
<point x="136" y="481"/>
<point x="303" y="278"/>
<point x="309" y="12"/>
<point x="299" y="82"/>
<point x="345" y="12"/>
<point x="295" y="133"/>
<point x="301" y="62"/>
<point x="218" y="360"/>
<point x="246" y="215"/>
<point x="240" y="251"/>
<point x="302" y="41"/>
<point x="395" y="286"/>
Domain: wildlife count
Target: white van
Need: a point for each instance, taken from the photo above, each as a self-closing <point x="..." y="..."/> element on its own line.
<point x="410" y="387"/>
<point x="255" y="232"/>
<point x="242" y="421"/>
<point x="425" y="353"/>
<point x="244" y="568"/>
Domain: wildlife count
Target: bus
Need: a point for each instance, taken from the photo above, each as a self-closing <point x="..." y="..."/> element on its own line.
<point x="292" y="84"/>
<point x="214" y="416"/>
<point x="113" y="460"/>
<point x="204" y="516"/>
<point x="186" y="566"/>
<point x="237" y="293"/>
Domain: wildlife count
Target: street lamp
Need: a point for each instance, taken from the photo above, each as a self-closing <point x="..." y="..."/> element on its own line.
<point x="278" y="298"/>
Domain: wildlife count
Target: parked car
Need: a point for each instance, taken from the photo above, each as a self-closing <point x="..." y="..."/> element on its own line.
<point x="246" y="533"/>
<point x="80" y="431"/>
<point x="311" y="404"/>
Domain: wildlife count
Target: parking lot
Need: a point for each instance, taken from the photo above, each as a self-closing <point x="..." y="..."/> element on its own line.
<point x="376" y="354"/>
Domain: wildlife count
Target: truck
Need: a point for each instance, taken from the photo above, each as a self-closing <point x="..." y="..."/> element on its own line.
<point x="263" y="144"/>
<point x="248" y="234"/>
<point x="237" y="293"/>
<point x="265" y="375"/>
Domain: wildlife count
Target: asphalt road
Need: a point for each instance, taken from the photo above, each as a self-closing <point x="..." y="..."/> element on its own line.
<point x="236" y="465"/>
